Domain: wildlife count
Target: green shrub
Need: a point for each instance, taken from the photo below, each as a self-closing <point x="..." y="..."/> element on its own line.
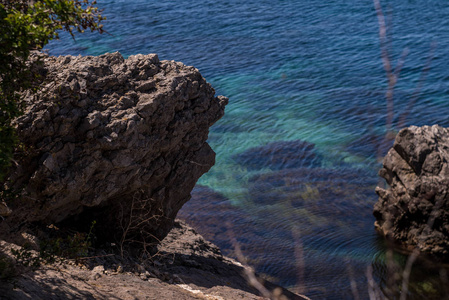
<point x="25" y="26"/>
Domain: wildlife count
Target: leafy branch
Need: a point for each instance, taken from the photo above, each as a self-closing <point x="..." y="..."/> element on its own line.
<point x="26" y="26"/>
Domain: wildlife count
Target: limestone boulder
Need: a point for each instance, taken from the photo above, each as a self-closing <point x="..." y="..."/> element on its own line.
<point x="108" y="132"/>
<point x="414" y="209"/>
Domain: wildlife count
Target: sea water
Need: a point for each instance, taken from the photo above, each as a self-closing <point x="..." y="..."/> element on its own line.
<point x="298" y="74"/>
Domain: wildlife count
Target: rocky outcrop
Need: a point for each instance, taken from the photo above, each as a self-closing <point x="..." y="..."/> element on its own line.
<point x="414" y="209"/>
<point x="185" y="267"/>
<point x="126" y="135"/>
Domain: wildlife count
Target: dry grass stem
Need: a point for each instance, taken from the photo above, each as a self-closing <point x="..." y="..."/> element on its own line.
<point x="299" y="259"/>
<point x="392" y="75"/>
<point x="249" y="272"/>
<point x="354" y="289"/>
<point x="132" y="223"/>
<point x="417" y="91"/>
<point x="373" y="289"/>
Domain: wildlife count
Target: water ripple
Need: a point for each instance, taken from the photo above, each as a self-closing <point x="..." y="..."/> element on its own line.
<point x="295" y="71"/>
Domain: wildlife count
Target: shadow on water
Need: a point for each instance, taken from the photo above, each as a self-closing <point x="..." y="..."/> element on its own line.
<point x="307" y="227"/>
<point x="338" y="244"/>
<point x="279" y="155"/>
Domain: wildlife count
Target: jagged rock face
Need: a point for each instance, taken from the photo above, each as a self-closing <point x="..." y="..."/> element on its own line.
<point x="106" y="130"/>
<point x="414" y="210"/>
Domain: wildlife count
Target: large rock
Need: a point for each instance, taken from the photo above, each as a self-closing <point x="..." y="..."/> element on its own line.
<point x="414" y="209"/>
<point x="112" y="132"/>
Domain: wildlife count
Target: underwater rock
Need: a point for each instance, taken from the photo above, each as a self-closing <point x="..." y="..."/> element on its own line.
<point x="280" y="155"/>
<point x="315" y="187"/>
<point x="214" y="216"/>
<point x="110" y="132"/>
<point x="414" y="210"/>
<point x="323" y="207"/>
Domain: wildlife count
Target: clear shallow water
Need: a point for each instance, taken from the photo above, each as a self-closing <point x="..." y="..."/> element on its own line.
<point x="295" y="70"/>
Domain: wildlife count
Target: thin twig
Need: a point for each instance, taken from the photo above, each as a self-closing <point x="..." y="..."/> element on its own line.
<point x="354" y="289"/>
<point x="391" y="73"/>
<point x="406" y="274"/>
<point x="386" y="63"/>
<point x="417" y="91"/>
<point x="391" y="274"/>
<point x="98" y="256"/>
<point x="373" y="289"/>
<point x="134" y="223"/>
<point x="249" y="272"/>
<point x="415" y="253"/>
<point x="299" y="259"/>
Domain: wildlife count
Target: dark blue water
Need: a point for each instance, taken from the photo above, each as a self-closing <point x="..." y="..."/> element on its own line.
<point x="296" y="72"/>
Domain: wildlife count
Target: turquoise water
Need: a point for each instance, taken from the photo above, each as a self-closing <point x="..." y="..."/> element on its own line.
<point x="295" y="70"/>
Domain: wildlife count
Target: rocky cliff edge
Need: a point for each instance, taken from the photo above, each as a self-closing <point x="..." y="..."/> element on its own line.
<point x="127" y="136"/>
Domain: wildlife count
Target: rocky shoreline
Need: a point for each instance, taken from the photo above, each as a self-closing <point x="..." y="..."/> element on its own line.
<point x="119" y="144"/>
<point x="186" y="266"/>
<point x="413" y="210"/>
